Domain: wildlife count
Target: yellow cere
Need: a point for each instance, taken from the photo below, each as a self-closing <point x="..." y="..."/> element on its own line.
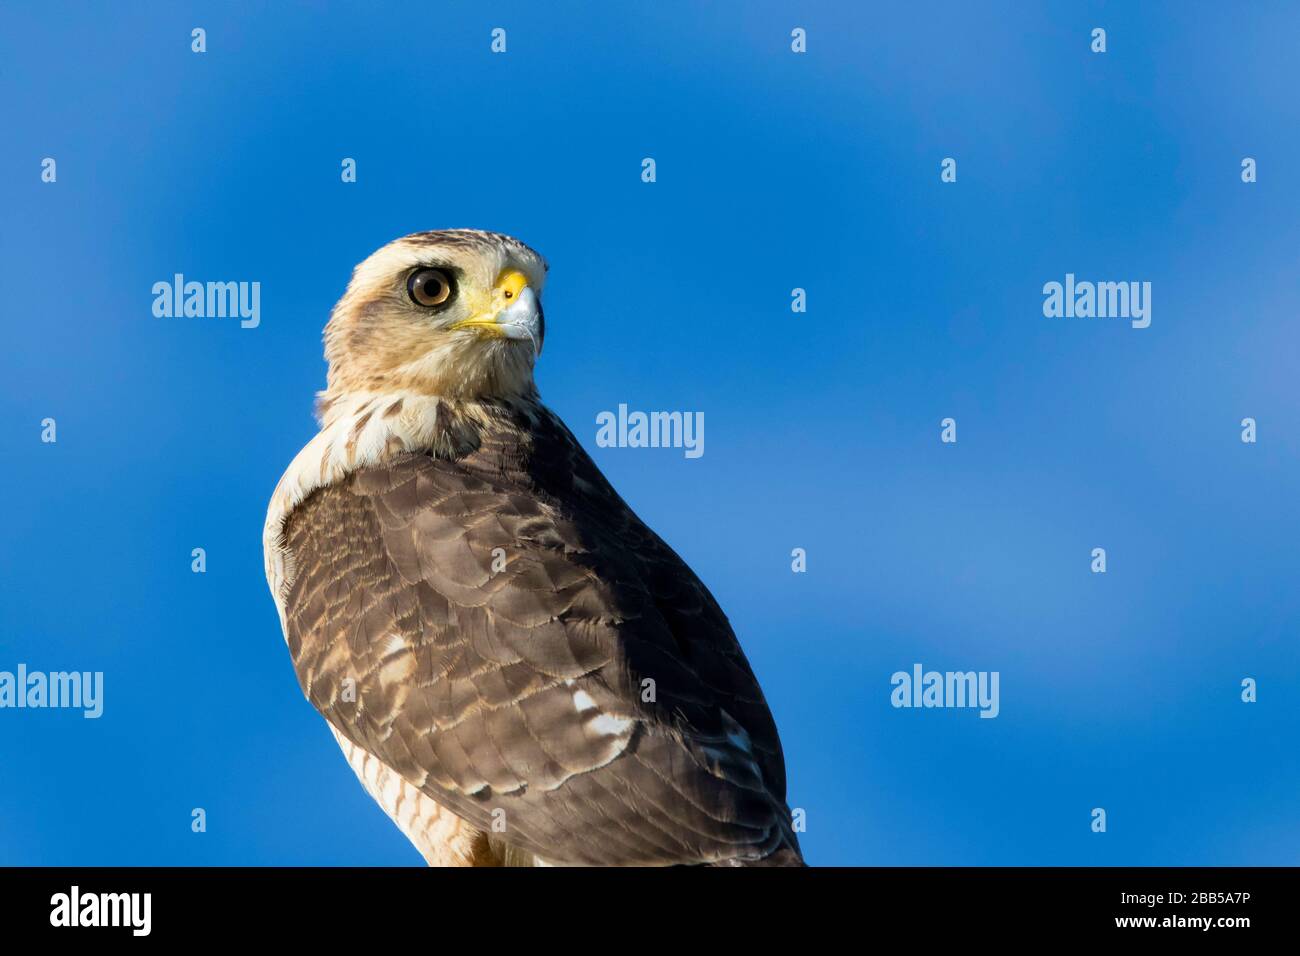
<point x="507" y="289"/>
<point x="511" y="283"/>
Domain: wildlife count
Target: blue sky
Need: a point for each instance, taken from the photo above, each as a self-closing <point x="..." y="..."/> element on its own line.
<point x="775" y="171"/>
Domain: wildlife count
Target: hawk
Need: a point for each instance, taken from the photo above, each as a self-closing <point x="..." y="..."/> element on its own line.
<point x="519" y="671"/>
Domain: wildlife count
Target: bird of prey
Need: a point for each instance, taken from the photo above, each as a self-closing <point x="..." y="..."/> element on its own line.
<point x="519" y="671"/>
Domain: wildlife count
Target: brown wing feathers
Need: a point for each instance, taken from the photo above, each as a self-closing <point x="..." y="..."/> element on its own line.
<point x="499" y="615"/>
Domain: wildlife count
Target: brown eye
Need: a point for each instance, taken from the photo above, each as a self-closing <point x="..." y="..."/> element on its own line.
<point x="430" y="287"/>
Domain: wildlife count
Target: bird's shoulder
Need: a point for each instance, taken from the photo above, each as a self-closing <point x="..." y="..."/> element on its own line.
<point x="513" y="630"/>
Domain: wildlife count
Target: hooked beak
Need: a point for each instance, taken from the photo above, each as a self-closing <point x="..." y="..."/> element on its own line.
<point x="514" y="313"/>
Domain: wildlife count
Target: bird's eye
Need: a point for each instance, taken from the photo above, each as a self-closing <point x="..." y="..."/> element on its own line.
<point x="430" y="288"/>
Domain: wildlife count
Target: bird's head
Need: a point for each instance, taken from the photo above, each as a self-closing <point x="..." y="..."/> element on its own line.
<point x="455" y="313"/>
